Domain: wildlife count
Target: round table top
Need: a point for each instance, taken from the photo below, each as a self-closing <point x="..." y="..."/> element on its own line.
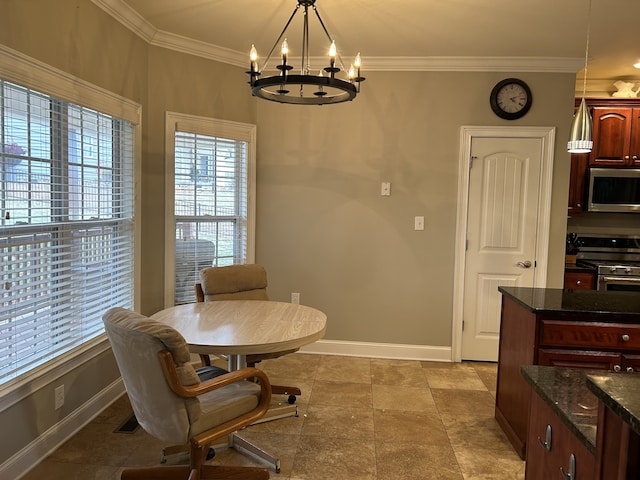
<point x="244" y="327"/>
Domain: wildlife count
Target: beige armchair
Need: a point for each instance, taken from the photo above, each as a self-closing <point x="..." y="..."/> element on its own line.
<point x="172" y="404"/>
<point x="240" y="282"/>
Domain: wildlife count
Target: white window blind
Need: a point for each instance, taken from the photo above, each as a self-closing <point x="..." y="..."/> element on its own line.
<point x="210" y="206"/>
<point x="66" y="227"/>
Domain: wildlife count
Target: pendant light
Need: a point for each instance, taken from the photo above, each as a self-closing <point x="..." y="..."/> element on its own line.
<point x="581" y="139"/>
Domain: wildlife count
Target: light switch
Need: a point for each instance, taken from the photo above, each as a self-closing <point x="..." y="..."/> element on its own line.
<point x="385" y="189"/>
<point x="419" y="223"/>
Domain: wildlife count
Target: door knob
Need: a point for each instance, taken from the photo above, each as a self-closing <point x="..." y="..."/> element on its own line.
<point x="525" y="264"/>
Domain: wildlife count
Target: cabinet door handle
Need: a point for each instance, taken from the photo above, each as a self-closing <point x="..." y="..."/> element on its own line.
<point x="630" y="369"/>
<point x="579" y="282"/>
<point x="572" y="469"/>
<point x="547" y="441"/>
<point x="626" y="157"/>
<point x="626" y="337"/>
<point x="617" y="368"/>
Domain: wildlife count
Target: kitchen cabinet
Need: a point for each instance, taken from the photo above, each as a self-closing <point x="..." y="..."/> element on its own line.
<point x="579" y="280"/>
<point x="578" y="184"/>
<point x="554" y="448"/>
<point x="618" y="425"/>
<point x="616" y="143"/>
<point x="616" y="136"/>
<point x="573" y="328"/>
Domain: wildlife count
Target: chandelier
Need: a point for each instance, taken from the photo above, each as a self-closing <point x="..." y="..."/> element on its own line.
<point x="306" y="88"/>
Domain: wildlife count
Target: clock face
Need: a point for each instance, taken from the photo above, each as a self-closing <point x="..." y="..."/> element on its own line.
<point x="510" y="99"/>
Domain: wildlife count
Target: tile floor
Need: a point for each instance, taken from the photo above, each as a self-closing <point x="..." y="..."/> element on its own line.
<point x="359" y="419"/>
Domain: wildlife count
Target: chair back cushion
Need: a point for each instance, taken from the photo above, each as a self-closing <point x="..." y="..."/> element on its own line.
<point x="234" y="282"/>
<point x="136" y="341"/>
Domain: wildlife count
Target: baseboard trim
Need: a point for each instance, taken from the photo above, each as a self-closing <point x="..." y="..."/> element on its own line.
<point x="27" y="458"/>
<point x="424" y="353"/>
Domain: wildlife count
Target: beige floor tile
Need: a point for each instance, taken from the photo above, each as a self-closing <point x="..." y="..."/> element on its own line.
<point x="341" y="394"/>
<point x="344" y="369"/>
<point x="338" y="422"/>
<point x="464" y="402"/>
<point x="409" y="427"/>
<point x="394" y="397"/>
<point x="322" y="458"/>
<point x="475" y="431"/>
<point x="487" y="464"/>
<point x="462" y="379"/>
<point x="406" y="461"/>
<point x="52" y="470"/>
<point x="403" y="375"/>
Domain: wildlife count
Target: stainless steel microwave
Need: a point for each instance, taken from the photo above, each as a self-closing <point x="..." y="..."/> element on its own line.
<point x="614" y="190"/>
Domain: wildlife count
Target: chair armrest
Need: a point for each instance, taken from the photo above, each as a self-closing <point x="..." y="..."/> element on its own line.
<point x="187" y="391"/>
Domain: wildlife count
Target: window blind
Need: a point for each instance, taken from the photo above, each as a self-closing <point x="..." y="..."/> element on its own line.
<point x="210" y="206"/>
<point x="66" y="226"/>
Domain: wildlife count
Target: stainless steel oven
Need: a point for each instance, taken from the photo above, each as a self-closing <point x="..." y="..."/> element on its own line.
<point x="615" y="259"/>
<point x="621" y="278"/>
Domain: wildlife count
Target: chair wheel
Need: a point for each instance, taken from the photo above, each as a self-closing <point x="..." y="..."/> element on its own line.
<point x="211" y="453"/>
<point x="291" y="399"/>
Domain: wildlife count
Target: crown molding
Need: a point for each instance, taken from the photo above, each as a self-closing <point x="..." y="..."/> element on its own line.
<point x="128" y="17"/>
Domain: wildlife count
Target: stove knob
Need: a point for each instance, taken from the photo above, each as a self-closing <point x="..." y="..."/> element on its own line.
<point x="612" y="269"/>
<point x="627" y="269"/>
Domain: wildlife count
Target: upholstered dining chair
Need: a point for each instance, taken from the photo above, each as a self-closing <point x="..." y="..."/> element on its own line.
<point x="240" y="282"/>
<point x="172" y="404"/>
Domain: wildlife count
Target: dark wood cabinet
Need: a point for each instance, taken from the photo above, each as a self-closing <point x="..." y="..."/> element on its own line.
<point x="616" y="136"/>
<point x="579" y="280"/>
<point x="616" y="143"/>
<point x="578" y="184"/>
<point x="587" y="340"/>
<point x="553" y="448"/>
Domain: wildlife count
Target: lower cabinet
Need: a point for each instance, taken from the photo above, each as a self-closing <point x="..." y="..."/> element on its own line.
<point x="553" y="451"/>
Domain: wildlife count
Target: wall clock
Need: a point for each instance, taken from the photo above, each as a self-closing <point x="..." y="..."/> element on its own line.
<point x="510" y="98"/>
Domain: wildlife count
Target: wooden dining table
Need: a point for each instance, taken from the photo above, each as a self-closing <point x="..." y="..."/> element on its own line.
<point x="237" y="328"/>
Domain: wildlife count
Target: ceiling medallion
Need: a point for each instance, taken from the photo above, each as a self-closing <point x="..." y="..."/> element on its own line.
<point x="305" y="88"/>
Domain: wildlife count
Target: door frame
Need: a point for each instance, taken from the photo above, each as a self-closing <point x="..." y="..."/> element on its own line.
<point x="467" y="134"/>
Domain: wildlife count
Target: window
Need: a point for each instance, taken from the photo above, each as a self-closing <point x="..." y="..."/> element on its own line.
<point x="212" y="190"/>
<point x="66" y="226"/>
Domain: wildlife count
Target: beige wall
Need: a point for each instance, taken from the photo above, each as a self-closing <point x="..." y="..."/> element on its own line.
<point x="322" y="227"/>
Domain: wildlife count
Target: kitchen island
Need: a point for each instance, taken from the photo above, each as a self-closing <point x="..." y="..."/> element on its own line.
<point x="585" y="422"/>
<point x="562" y="328"/>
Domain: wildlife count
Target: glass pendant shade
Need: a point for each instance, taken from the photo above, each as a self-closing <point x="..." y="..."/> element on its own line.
<point x="581" y="139"/>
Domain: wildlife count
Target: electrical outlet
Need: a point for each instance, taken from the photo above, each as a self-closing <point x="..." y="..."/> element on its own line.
<point x="295" y="298"/>
<point x="58" y="401"/>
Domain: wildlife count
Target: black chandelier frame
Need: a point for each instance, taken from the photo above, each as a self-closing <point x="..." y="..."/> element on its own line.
<point x="282" y="88"/>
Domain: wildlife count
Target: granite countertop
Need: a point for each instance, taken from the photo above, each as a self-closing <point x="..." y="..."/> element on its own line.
<point x="557" y="300"/>
<point x="621" y="393"/>
<point x="565" y="391"/>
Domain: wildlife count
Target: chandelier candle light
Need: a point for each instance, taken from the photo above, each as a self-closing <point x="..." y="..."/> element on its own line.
<point x="305" y="88"/>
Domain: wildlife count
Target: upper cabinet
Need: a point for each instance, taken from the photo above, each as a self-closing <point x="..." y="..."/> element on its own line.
<point x="616" y="143"/>
<point x="616" y="136"/>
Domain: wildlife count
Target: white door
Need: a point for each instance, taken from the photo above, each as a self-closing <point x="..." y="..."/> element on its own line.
<point x="502" y="220"/>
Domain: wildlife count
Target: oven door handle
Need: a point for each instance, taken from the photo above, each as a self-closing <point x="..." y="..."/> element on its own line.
<point x="631" y="280"/>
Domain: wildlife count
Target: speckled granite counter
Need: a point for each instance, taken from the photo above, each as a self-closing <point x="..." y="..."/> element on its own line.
<point x="550" y="300"/>
<point x="621" y="393"/>
<point x="565" y="391"/>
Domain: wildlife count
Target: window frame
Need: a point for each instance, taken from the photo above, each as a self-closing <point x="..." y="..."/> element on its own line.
<point x="174" y="122"/>
<point x="15" y="67"/>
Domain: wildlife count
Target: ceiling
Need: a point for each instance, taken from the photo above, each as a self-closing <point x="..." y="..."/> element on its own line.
<point x="509" y="35"/>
